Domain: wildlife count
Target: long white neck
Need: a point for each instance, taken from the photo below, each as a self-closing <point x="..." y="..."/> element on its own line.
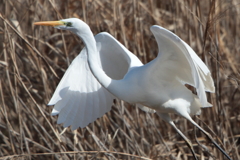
<point x="90" y="43"/>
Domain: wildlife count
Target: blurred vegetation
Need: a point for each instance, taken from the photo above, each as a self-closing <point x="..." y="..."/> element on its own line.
<point x="33" y="59"/>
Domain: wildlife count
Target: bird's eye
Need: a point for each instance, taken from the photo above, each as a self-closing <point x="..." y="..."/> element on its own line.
<point x="68" y="24"/>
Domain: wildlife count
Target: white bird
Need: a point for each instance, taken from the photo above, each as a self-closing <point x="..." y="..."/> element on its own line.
<point x="105" y="70"/>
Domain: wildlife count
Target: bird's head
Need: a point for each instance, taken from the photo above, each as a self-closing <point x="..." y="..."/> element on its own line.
<point x="71" y="24"/>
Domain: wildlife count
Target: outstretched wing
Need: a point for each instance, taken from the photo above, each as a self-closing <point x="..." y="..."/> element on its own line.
<point x="182" y="62"/>
<point x="79" y="98"/>
<point x="115" y="59"/>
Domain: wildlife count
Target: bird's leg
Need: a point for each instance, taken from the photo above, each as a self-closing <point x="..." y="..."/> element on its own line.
<point x="166" y="117"/>
<point x="208" y="135"/>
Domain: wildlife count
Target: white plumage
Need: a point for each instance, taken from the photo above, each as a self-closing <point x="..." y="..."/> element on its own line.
<point x="105" y="70"/>
<point x="79" y="98"/>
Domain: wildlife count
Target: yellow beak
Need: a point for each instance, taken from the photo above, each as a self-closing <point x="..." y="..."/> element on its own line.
<point x="49" y="23"/>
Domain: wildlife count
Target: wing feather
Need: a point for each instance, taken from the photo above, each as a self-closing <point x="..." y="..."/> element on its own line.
<point x="202" y="69"/>
<point x="65" y="110"/>
<point x="179" y="59"/>
<point x="75" y="94"/>
<point x="79" y="98"/>
<point x="69" y="116"/>
<point x="119" y="59"/>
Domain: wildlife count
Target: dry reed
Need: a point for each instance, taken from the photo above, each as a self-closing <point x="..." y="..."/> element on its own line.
<point x="33" y="59"/>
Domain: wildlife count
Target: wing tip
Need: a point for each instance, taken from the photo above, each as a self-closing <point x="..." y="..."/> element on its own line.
<point x="211" y="89"/>
<point x="103" y="34"/>
<point x="53" y="101"/>
<point x="51" y="104"/>
<point x="158" y="30"/>
<point x="55" y="112"/>
<point x="152" y="28"/>
<point x="207" y="105"/>
<point x="74" y="127"/>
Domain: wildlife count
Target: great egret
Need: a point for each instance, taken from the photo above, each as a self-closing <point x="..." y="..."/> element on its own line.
<point x="105" y="69"/>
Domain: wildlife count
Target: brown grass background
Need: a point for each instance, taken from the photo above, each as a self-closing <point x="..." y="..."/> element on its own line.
<point x="33" y="60"/>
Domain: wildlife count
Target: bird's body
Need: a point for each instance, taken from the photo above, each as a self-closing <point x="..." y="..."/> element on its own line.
<point x="155" y="94"/>
<point x="105" y="70"/>
<point x="158" y="84"/>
